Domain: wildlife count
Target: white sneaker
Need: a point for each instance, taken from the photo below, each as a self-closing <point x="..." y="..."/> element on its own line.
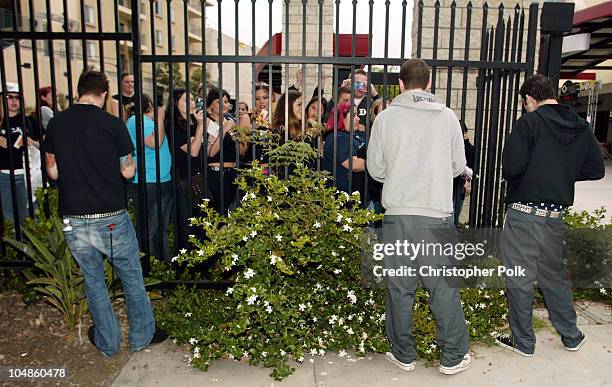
<point x="464" y="365"/>
<point x="403" y="366"/>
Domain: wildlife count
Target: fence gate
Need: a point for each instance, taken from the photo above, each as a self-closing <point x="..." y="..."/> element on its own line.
<point x="478" y="54"/>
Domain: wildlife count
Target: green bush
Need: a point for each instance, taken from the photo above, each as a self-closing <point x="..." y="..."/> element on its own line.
<point x="293" y="248"/>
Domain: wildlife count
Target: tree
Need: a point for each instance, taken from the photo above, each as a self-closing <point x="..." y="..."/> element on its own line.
<point x="162" y="79"/>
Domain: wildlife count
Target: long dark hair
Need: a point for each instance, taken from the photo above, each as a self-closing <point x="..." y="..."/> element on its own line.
<point x="179" y="120"/>
<point x="294" y="126"/>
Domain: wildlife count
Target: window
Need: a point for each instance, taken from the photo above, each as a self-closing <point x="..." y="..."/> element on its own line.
<point x="173" y="42"/>
<point x="92" y="50"/>
<point x="159" y="38"/>
<point x="157" y="8"/>
<point x="90" y="15"/>
<point x="143" y="40"/>
<point x="172" y="14"/>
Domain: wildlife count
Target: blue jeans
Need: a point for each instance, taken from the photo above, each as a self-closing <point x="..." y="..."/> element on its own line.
<point x="7" y="199"/>
<point x="88" y="241"/>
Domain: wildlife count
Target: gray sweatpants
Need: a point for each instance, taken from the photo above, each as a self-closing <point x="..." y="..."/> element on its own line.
<point x="444" y="301"/>
<point x="536" y="244"/>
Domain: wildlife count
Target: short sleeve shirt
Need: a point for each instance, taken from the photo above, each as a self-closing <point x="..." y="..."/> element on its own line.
<point x="87" y="143"/>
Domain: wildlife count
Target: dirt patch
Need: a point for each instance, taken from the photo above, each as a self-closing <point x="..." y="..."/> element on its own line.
<point x="34" y="336"/>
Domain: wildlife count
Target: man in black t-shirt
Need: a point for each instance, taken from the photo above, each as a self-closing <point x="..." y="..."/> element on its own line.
<point x="13" y="129"/>
<point x="89" y="152"/>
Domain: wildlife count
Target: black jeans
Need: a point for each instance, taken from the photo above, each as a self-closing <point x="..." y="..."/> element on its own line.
<point x="157" y="232"/>
<point x="227" y="190"/>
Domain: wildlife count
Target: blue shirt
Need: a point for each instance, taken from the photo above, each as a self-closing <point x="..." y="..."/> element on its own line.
<point x="165" y="162"/>
<point x="343" y="150"/>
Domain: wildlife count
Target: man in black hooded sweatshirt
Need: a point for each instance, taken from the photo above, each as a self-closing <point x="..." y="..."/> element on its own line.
<point x="548" y="150"/>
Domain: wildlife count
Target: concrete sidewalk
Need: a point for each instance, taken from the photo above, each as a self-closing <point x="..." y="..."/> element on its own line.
<point x="591" y="195"/>
<point x="166" y="365"/>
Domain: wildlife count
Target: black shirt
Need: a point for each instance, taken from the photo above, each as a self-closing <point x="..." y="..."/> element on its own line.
<point x="126" y="102"/>
<point x="15" y="131"/>
<point x="180" y="156"/>
<point x="87" y="143"/>
<point x="547" y="151"/>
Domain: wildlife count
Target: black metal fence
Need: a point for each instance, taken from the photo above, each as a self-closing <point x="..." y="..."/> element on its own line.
<point x="478" y="58"/>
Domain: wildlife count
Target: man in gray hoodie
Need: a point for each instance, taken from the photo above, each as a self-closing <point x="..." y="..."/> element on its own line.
<point x="416" y="149"/>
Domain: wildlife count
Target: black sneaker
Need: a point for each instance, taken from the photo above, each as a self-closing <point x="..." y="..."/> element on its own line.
<point x="508" y="342"/>
<point x="159" y="336"/>
<point x="577" y="346"/>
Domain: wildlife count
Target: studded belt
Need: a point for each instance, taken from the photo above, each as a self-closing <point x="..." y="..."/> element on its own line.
<point x="96" y="216"/>
<point x="535" y="211"/>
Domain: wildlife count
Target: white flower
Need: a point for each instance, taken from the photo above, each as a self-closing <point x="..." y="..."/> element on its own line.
<point x="201" y="253"/>
<point x="349" y="220"/>
<point x="353" y="298"/>
<point x="318" y="286"/>
<point x="350" y="331"/>
<point x="174" y="258"/>
<point x="245" y="354"/>
<point x="302" y="307"/>
<point x="432" y="346"/>
<point x="501" y="292"/>
<point x="264" y="354"/>
<point x="229" y="291"/>
<point x="342" y="353"/>
<point x="282" y="353"/>
<point x="196" y="355"/>
<point x="182" y="251"/>
<point x="245" y="238"/>
<point x="337" y="271"/>
<point x="193" y="341"/>
<point x="269" y="198"/>
<point x="249" y="273"/>
<point x="279" y="237"/>
<point x="314" y="319"/>
<point x="341" y="246"/>
<point x="334" y="254"/>
<point x="301" y="359"/>
<point x="253" y="233"/>
<point x="252" y="195"/>
<point x="316" y="225"/>
<point x="251" y="300"/>
<point x="382" y="317"/>
<point x="188" y="314"/>
<point x="313" y="352"/>
<point x="339" y="218"/>
<point x="347" y="228"/>
<point x="321" y="352"/>
<point x="274" y="258"/>
<point x="603" y="291"/>
<point x="482" y="305"/>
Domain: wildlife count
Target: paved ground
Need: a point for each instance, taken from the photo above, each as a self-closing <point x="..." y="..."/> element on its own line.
<point x="165" y="365"/>
<point x="591" y="195"/>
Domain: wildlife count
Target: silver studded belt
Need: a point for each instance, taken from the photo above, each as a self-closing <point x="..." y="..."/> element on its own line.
<point x="96" y="216"/>
<point x="535" y="211"/>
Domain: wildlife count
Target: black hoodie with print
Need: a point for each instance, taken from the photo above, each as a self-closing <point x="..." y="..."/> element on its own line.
<point x="547" y="151"/>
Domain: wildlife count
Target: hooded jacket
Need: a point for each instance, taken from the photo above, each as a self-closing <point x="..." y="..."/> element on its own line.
<point x="547" y="151"/>
<point x="415" y="150"/>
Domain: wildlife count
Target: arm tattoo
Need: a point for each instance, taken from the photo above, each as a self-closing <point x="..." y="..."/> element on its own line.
<point x="126" y="161"/>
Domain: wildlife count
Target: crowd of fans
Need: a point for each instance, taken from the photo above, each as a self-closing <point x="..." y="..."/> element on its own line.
<point x="195" y="139"/>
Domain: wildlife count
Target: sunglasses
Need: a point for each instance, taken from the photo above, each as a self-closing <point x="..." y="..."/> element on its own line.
<point x="359" y="85"/>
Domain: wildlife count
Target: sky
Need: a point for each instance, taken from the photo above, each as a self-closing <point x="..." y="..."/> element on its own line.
<point x="346" y="22"/>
